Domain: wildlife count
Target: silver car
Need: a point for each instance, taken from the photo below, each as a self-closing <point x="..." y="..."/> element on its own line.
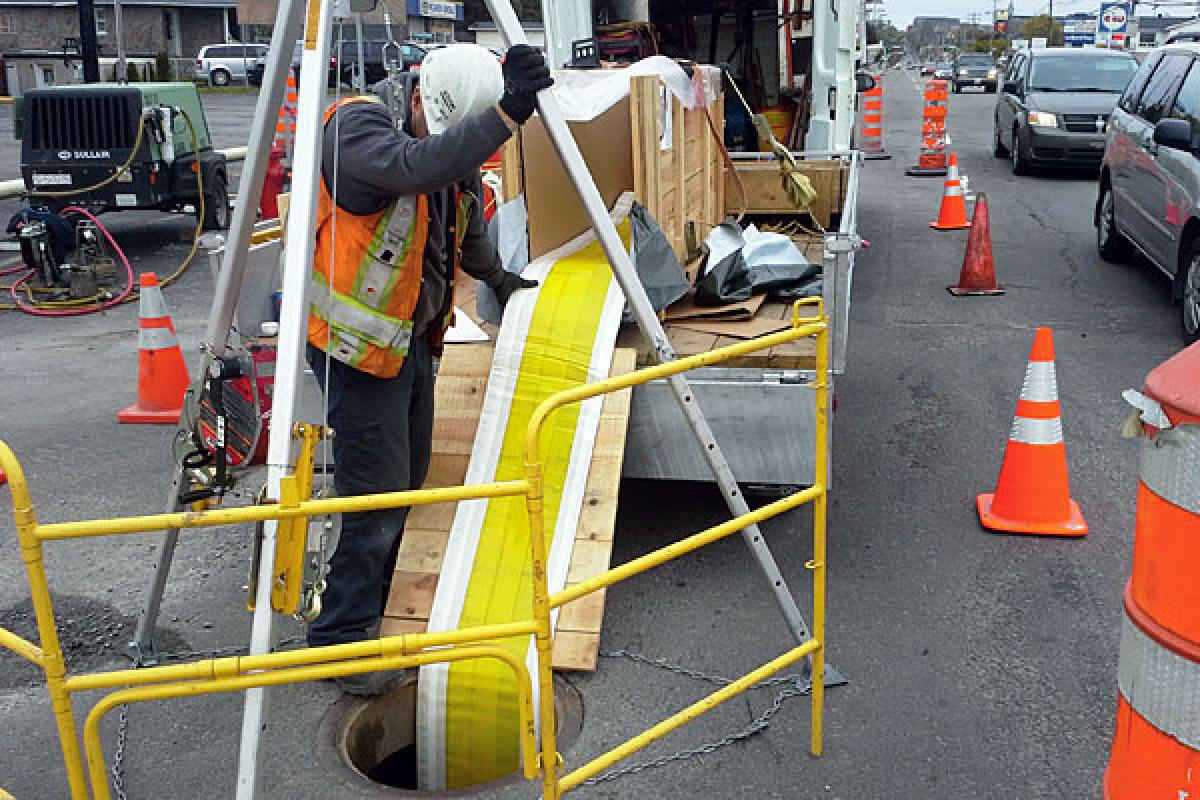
<point x="223" y="64"/>
<point x="1149" y="197"/>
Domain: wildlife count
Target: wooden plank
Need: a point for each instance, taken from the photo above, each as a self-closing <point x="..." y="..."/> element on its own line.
<point x="643" y="120"/>
<point x="680" y="178"/>
<point x="394" y="626"/>
<point x="583" y="614"/>
<point x="411" y="595"/>
<point x="422" y="549"/>
<point x="717" y="166"/>
<point x="575" y="651"/>
<point x="510" y="167"/>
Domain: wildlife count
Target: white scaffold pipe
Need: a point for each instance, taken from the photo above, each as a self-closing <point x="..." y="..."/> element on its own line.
<point x="302" y="216"/>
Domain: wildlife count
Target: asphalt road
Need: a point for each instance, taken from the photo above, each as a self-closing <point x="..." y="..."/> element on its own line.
<point x="980" y="666"/>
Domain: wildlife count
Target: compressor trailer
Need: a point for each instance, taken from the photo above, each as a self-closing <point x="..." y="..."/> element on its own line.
<point x="111" y="147"/>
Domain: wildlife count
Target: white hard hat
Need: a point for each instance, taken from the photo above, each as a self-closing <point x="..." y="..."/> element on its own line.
<point x="457" y="82"/>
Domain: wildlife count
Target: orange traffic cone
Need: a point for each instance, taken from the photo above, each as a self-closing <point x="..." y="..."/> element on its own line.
<point x="1033" y="494"/>
<point x="162" y="373"/>
<point x="978" y="276"/>
<point x="952" y="215"/>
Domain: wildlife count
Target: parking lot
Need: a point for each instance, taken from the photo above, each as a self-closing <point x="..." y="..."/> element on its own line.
<point x="980" y="665"/>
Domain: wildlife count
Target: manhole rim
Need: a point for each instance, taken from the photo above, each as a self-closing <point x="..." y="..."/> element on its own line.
<point x="332" y="755"/>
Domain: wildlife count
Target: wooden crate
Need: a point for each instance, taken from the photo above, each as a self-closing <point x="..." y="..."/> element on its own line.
<point x="759" y="173"/>
<point x="678" y="179"/>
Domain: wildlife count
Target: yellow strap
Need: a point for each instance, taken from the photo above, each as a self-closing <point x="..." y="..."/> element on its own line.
<point x="481" y="713"/>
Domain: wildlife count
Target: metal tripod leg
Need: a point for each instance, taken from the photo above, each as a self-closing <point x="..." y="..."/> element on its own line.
<point x="643" y="313"/>
<point x="228" y="290"/>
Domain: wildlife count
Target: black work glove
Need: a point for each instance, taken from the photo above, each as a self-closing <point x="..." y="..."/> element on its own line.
<point x="509" y="284"/>
<point x="525" y="74"/>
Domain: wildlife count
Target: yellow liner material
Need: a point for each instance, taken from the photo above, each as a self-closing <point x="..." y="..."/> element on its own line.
<point x="481" y="712"/>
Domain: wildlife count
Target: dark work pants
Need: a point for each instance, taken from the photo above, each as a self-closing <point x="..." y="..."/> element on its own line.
<point x="382" y="432"/>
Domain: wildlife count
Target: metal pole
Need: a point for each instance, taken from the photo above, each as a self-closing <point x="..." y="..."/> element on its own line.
<point x="643" y="313"/>
<point x="360" y="82"/>
<point x="87" y="42"/>
<point x="119" y="32"/>
<point x="229" y="285"/>
<point x="306" y="176"/>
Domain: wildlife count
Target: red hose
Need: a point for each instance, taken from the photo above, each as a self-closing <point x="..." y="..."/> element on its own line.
<point x="76" y="312"/>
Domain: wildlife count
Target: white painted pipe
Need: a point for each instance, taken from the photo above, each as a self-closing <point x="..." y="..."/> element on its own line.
<point x="16" y="186"/>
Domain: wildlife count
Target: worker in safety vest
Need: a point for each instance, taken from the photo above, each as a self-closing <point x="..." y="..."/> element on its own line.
<point x="399" y="212"/>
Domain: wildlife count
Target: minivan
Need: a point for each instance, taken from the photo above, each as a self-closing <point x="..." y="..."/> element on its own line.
<point x="1149" y="190"/>
<point x="222" y="64"/>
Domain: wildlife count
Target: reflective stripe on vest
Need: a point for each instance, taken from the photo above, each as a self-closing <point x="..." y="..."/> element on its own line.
<point x="344" y="313"/>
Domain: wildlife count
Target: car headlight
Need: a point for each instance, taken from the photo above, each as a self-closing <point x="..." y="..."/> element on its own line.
<point x="993" y="73"/>
<point x="962" y="72"/>
<point x="1043" y="119"/>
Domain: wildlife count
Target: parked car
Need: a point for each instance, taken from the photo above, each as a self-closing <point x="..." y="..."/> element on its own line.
<point x="260" y="67"/>
<point x="1149" y="195"/>
<point x="927" y="67"/>
<point x="223" y="64"/>
<point x="1055" y="104"/>
<point x="373" y="52"/>
<point x="944" y="71"/>
<point x="975" y="69"/>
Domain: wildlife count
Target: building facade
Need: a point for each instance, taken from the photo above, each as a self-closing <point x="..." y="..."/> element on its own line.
<point x="39" y="41"/>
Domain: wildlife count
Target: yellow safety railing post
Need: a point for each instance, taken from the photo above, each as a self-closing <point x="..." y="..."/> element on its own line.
<point x="52" y="661"/>
<point x="535" y="504"/>
<point x="820" y="506"/>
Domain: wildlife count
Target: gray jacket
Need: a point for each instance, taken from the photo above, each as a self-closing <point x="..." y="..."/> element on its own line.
<point x="370" y="164"/>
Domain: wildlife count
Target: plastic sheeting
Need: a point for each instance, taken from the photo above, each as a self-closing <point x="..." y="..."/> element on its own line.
<point x="586" y="94"/>
<point x="559" y="335"/>
<point x="657" y="267"/>
<point x="743" y="263"/>
<point x="509" y="232"/>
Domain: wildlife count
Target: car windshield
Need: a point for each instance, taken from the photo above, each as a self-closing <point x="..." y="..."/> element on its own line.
<point x="1081" y="74"/>
<point x="974" y="61"/>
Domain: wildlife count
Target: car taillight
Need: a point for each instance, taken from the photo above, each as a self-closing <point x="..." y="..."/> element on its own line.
<point x="199" y="63"/>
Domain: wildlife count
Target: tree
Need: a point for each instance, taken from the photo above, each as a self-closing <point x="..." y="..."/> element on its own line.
<point x="1042" y="26"/>
<point x="996" y="46"/>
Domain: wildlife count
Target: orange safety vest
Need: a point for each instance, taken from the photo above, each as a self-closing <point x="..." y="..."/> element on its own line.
<point x="362" y="314"/>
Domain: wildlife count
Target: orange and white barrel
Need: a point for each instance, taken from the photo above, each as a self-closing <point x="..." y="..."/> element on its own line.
<point x="1156" y="746"/>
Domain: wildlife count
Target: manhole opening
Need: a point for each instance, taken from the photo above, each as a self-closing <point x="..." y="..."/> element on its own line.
<point x="375" y="737"/>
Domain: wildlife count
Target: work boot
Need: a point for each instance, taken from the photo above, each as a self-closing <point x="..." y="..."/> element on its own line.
<point x="369" y="684"/>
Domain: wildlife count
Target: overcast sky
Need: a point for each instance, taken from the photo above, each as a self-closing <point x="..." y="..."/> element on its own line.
<point x="901" y="12"/>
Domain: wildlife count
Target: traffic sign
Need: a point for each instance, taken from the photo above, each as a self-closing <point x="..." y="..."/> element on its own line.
<point x="1114" y="17"/>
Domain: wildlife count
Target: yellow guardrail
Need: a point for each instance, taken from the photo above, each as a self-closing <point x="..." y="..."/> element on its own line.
<point x="237" y="673"/>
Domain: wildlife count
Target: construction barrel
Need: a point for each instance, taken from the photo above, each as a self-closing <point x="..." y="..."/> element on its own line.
<point x="1156" y="746"/>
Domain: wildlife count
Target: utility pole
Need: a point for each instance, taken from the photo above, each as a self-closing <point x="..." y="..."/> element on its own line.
<point x="119" y="32"/>
<point x="1050" y="37"/>
<point x="87" y="42"/>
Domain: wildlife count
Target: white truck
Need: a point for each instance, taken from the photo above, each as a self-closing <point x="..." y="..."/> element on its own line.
<point x="785" y="54"/>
